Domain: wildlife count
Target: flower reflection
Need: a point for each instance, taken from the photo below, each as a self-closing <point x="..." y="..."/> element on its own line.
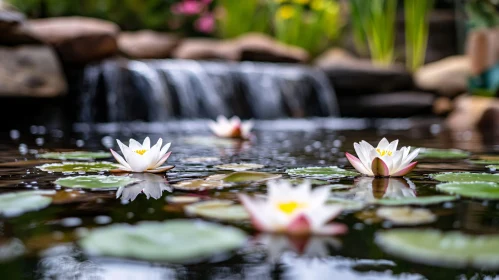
<point x="369" y="189"/>
<point x="151" y="185"/>
<point x="304" y="246"/>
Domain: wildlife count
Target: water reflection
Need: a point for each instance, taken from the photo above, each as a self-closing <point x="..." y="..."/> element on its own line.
<point x="370" y="189"/>
<point x="151" y="185"/>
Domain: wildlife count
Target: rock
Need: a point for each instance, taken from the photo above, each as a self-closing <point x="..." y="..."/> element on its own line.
<point x="147" y="44"/>
<point x="13" y="28"/>
<point x="387" y="105"/>
<point x="78" y="40"/>
<point x="9" y="17"/>
<point x="482" y="49"/>
<point x="448" y="77"/>
<point x="468" y="111"/>
<point x="30" y="71"/>
<point x="488" y="124"/>
<point x="249" y="47"/>
<point x="260" y="47"/>
<point x="204" y="49"/>
<point x="352" y="76"/>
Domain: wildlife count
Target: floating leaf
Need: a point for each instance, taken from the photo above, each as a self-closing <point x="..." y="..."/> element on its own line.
<point x="182" y="199"/>
<point x="448" y="249"/>
<point x="483" y="190"/>
<point x="11" y="249"/>
<point x="95" y="181"/>
<point x="406" y="215"/>
<point x="346" y="204"/>
<point x="465" y="177"/>
<point x="171" y="241"/>
<point x="199" y="185"/>
<point x="442" y="153"/>
<point x="299" y="181"/>
<point x="72" y="167"/>
<point x="483" y="161"/>
<point x="421" y="200"/>
<point x="225" y="210"/>
<point x="78" y="155"/>
<point x="200" y="159"/>
<point x="321" y="172"/>
<point x="239" y="166"/>
<point x="17" y="203"/>
<point x="248" y="176"/>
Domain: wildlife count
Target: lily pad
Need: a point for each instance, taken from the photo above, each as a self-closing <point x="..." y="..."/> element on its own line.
<point x="249" y="176"/>
<point x="483" y="190"/>
<point x="321" y="172"/>
<point x="239" y="166"/>
<point x="299" y="181"/>
<point x="78" y="155"/>
<point x="182" y="199"/>
<point x="465" y="177"/>
<point x="199" y="185"/>
<point x="225" y="210"/>
<point x="442" y="153"/>
<point x="95" y="181"/>
<point x="346" y="204"/>
<point x="73" y="167"/>
<point x="406" y="215"/>
<point x="177" y="241"/>
<point x="483" y="161"/>
<point x="421" y="200"/>
<point x="448" y="249"/>
<point x="17" y="203"/>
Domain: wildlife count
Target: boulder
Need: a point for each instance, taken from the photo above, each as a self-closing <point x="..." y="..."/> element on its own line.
<point x="13" y="28"/>
<point x="31" y="70"/>
<point x="9" y="17"/>
<point x="448" y="77"/>
<point x="78" y="40"/>
<point x="147" y="44"/>
<point x="483" y="49"/>
<point x="353" y="76"/>
<point x="388" y="105"/>
<point x="469" y="112"/>
<point x="204" y="49"/>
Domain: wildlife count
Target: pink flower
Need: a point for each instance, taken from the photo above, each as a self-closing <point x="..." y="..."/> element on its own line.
<point x="188" y="7"/>
<point x="205" y="23"/>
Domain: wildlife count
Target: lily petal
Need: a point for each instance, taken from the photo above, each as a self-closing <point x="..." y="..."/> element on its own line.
<point x="405" y="170"/>
<point x="162" y="160"/>
<point x="120" y="159"/>
<point x="380" y="168"/>
<point x="299" y="226"/>
<point x="160" y="169"/>
<point x="357" y="164"/>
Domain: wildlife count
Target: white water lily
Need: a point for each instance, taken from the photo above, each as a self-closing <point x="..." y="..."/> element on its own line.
<point x="233" y="128"/>
<point x="142" y="157"/>
<point x="151" y="185"/>
<point x="384" y="160"/>
<point x="293" y="210"/>
<point x="369" y="189"/>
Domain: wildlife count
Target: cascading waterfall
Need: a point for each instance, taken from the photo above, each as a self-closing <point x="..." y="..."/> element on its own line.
<point x="158" y="90"/>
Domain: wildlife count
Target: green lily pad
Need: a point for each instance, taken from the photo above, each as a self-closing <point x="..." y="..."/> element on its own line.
<point x="483" y="190"/>
<point x="225" y="210"/>
<point x="200" y="185"/>
<point x="406" y="215"/>
<point x="442" y="153"/>
<point x="95" y="181"/>
<point x="321" y="172"/>
<point x="249" y="176"/>
<point x="421" y="200"/>
<point x="465" y="177"/>
<point x="448" y="249"/>
<point x="346" y="204"/>
<point x="239" y="166"/>
<point x="299" y="181"/>
<point x="182" y="199"/>
<point x="73" y="167"/>
<point x="79" y="155"/>
<point x="483" y="161"/>
<point x="177" y="241"/>
<point x="17" y="203"/>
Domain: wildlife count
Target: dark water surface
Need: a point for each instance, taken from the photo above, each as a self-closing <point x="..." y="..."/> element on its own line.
<point x="49" y="234"/>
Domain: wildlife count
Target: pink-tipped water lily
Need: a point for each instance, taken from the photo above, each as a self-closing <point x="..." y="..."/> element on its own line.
<point x="384" y="160"/>
<point x="233" y="128"/>
<point x="293" y="210"/>
<point x="142" y="157"/>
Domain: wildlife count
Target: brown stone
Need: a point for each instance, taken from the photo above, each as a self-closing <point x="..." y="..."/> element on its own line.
<point x="204" y="49"/>
<point x="448" y="77"/>
<point x="30" y="71"/>
<point x="147" y="44"/>
<point x="78" y="39"/>
<point x="482" y="49"/>
<point x="468" y="111"/>
<point x="9" y="17"/>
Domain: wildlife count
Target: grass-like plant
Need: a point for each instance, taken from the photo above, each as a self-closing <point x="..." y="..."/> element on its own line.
<point x="376" y="20"/>
<point x="239" y="17"/>
<point x="416" y="31"/>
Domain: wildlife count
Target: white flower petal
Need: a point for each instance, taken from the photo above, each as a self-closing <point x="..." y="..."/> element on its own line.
<point x="383" y="144"/>
<point x="146" y="145"/>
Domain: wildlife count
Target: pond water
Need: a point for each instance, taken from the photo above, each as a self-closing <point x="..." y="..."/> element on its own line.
<point x="43" y="243"/>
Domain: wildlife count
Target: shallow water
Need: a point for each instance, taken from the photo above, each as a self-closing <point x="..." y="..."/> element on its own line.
<point x="49" y="234"/>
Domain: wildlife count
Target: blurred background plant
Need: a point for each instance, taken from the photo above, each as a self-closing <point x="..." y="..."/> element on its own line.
<point x="482" y="13"/>
<point x="416" y="31"/>
<point x="239" y="17"/>
<point x="310" y="24"/>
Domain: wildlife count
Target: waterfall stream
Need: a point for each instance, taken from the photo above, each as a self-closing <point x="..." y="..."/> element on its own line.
<point x="158" y="90"/>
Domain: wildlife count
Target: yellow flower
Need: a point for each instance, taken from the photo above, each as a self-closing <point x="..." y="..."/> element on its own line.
<point x="318" y="5"/>
<point x="286" y="12"/>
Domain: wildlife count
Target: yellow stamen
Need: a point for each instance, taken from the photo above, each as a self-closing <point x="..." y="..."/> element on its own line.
<point x="384" y="152"/>
<point x="290" y="206"/>
<point x="140" y="152"/>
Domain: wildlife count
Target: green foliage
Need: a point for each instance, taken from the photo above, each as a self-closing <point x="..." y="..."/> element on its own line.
<point x="483" y="13"/>
<point x="241" y="17"/>
<point x="416" y="31"/>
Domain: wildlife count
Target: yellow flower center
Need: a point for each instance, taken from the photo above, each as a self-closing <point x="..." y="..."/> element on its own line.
<point x="290" y="206"/>
<point x="140" y="152"/>
<point x="286" y="12"/>
<point x="384" y="152"/>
